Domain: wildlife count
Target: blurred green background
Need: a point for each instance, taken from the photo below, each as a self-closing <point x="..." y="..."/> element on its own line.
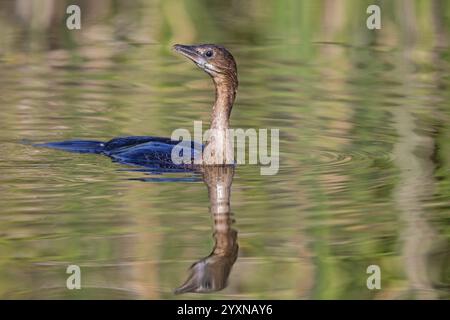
<point x="364" y="139"/>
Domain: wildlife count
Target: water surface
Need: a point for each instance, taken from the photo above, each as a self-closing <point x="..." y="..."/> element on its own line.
<point x="364" y="173"/>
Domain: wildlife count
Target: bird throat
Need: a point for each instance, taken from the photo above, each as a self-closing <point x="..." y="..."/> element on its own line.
<point x="219" y="145"/>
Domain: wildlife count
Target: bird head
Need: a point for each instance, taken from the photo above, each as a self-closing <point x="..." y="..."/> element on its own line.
<point x="215" y="60"/>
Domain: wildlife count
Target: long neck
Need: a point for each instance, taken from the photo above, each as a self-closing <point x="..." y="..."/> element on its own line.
<point x="219" y="149"/>
<point x="225" y="95"/>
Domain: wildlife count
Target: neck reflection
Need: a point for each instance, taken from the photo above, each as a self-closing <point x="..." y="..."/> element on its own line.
<point x="211" y="273"/>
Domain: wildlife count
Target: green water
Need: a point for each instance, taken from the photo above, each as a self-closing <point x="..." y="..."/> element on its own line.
<point x="364" y="173"/>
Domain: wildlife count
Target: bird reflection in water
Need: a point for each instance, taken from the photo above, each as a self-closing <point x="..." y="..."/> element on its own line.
<point x="211" y="273"/>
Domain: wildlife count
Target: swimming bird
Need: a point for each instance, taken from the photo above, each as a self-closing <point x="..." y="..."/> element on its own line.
<point x="156" y="152"/>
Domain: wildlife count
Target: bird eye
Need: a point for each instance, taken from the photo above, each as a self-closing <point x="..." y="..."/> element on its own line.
<point x="209" y="53"/>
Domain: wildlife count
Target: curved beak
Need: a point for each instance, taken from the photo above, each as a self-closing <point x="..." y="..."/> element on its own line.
<point x="191" y="53"/>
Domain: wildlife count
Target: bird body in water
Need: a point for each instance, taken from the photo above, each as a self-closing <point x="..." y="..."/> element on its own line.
<point x="156" y="152"/>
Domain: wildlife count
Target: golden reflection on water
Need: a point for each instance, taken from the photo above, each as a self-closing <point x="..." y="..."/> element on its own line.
<point x="211" y="273"/>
